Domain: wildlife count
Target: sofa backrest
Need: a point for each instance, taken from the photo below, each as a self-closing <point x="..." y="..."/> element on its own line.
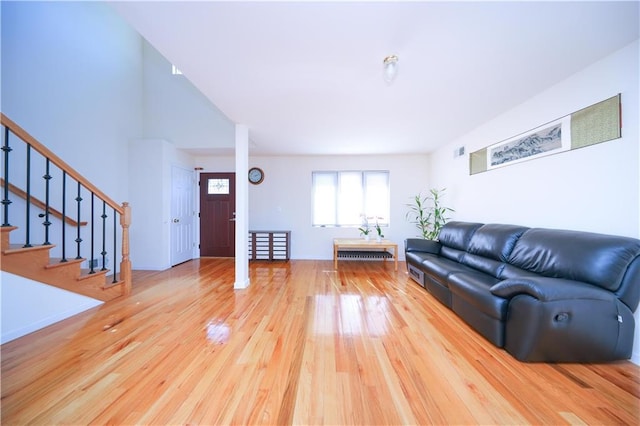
<point x="490" y="247"/>
<point x="454" y="238"/>
<point x="598" y="259"/>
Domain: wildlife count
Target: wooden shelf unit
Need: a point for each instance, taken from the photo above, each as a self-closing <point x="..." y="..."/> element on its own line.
<point x="269" y="245"/>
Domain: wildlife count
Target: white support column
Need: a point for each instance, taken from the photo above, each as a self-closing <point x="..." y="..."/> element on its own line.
<point x="242" y="207"/>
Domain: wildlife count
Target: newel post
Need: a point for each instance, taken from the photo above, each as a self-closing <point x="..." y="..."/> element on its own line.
<point x="125" y="265"/>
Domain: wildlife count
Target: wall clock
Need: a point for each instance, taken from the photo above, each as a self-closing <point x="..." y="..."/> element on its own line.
<point x="256" y="175"/>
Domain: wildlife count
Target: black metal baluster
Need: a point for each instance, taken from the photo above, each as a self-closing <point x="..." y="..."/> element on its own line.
<point x="78" y="239"/>
<point x="91" y="265"/>
<point x="6" y="149"/>
<point x="46" y="223"/>
<point x="64" y="217"/>
<point x="115" y="263"/>
<point x="104" y="236"/>
<point x="27" y="228"/>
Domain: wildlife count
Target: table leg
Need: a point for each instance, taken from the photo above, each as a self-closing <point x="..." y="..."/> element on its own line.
<point x="395" y="258"/>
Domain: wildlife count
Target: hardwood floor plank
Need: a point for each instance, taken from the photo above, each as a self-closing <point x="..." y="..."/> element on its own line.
<point x="304" y="344"/>
<point x="296" y="343"/>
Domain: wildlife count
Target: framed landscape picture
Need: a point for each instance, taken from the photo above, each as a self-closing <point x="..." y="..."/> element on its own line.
<point x="550" y="138"/>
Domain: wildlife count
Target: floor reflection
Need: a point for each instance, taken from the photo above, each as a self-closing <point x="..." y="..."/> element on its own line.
<point x="351" y="315"/>
<point x="218" y="332"/>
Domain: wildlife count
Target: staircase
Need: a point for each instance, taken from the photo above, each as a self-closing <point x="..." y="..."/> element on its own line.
<point x="35" y="261"/>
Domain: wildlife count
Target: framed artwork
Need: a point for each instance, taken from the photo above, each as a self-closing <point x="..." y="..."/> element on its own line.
<point x="545" y="140"/>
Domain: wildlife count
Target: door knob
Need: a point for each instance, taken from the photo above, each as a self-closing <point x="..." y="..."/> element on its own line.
<point x="176" y="220"/>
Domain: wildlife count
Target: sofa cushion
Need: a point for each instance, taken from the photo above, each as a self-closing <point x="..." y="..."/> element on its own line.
<point x="417" y="257"/>
<point x="474" y="287"/>
<point x="452" y="253"/>
<point x="457" y="235"/>
<point x="488" y="266"/>
<point x="439" y="268"/>
<point x="495" y="241"/>
<point x="597" y="259"/>
<point x="490" y="247"/>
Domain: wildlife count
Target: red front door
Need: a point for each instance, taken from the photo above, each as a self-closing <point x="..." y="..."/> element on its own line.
<point x="217" y="214"/>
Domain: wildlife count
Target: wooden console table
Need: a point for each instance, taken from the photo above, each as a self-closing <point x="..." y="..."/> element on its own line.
<point x="344" y="247"/>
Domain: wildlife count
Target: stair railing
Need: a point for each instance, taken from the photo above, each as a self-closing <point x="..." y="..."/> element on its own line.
<point x="83" y="186"/>
<point x="41" y="205"/>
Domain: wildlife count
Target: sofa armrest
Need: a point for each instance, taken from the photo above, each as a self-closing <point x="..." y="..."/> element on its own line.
<point x="422" y="245"/>
<point x="549" y="289"/>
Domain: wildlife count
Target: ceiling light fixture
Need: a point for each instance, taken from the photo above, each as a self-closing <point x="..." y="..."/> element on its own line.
<point x="390" y="68"/>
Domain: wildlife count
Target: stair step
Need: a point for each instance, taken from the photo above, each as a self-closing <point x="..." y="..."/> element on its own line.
<point x="56" y="262"/>
<point x="17" y="259"/>
<point x="85" y="273"/>
<point x="109" y="283"/>
<point x="20" y="248"/>
<point x="99" y="286"/>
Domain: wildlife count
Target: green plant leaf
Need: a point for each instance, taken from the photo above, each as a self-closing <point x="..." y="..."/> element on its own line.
<point x="427" y="213"/>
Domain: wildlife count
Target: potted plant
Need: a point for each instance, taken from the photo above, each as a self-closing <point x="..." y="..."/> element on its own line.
<point x="379" y="231"/>
<point x="365" y="229"/>
<point x="427" y="213"/>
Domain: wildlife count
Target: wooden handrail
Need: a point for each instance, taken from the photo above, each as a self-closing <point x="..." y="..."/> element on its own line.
<point x="36" y="202"/>
<point x="22" y="134"/>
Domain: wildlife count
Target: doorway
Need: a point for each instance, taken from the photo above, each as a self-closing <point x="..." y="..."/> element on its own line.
<point x="217" y="214"/>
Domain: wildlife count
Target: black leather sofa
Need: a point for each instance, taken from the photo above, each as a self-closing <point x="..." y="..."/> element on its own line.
<point x="541" y="294"/>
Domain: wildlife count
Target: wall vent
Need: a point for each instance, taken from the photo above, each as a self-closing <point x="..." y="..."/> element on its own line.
<point x="96" y="263"/>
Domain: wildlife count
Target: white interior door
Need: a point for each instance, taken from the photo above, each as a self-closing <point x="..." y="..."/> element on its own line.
<point x="182" y="215"/>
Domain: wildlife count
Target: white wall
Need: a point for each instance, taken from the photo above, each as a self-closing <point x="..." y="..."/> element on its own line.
<point x="147" y="240"/>
<point x="283" y="200"/>
<point x="596" y="188"/>
<point x="176" y="111"/>
<point x="44" y="306"/>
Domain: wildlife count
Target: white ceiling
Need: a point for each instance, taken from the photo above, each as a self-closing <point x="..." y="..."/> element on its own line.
<point x="306" y="77"/>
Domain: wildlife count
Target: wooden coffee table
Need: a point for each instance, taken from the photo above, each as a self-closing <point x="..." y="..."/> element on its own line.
<point x="361" y="245"/>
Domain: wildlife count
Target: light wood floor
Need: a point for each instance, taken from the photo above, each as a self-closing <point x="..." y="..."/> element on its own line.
<point x="303" y="345"/>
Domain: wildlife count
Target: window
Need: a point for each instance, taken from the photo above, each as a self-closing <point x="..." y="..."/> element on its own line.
<point x="218" y="186"/>
<point x="342" y="198"/>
